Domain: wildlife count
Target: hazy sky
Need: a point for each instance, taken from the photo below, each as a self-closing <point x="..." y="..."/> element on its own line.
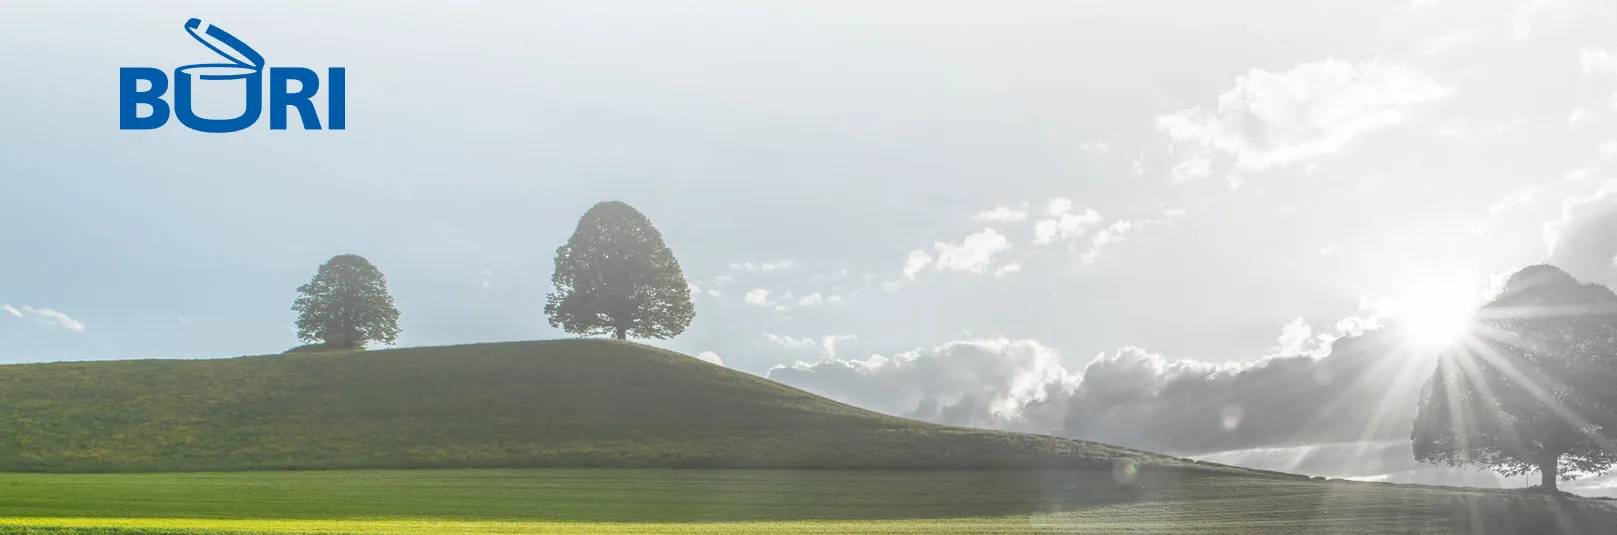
<point x="845" y="183"/>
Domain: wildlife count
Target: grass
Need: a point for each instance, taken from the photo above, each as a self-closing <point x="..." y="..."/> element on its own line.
<point x="764" y="501"/>
<point x="674" y="431"/>
<point x="567" y="403"/>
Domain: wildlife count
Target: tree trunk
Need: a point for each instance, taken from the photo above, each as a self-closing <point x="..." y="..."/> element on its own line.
<point x="1548" y="474"/>
<point x="621" y="334"/>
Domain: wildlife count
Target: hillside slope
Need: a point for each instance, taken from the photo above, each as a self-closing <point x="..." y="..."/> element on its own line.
<point x="566" y="403"/>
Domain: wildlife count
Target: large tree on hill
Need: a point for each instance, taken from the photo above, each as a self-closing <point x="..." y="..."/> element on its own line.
<point x="616" y="276"/>
<point x="1534" y="389"/>
<point x="346" y="305"/>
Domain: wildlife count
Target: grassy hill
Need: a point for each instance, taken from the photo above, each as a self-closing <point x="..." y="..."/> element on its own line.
<point x="567" y="403"/>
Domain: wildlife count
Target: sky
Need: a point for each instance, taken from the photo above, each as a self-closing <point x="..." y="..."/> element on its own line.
<point x="989" y="214"/>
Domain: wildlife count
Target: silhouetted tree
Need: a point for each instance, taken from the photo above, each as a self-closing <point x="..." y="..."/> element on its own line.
<point x="1535" y="388"/>
<point x="346" y="305"/>
<point x="615" y="276"/>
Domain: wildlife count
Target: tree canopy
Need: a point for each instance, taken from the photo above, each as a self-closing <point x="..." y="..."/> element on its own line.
<point x="346" y="305"/>
<point x="616" y="276"/>
<point x="1535" y="386"/>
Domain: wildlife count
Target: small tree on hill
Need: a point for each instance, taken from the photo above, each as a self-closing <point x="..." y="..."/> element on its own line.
<point x="1535" y="390"/>
<point x="346" y="305"/>
<point x="616" y="276"/>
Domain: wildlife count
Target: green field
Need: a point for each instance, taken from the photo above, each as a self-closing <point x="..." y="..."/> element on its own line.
<point x="589" y="436"/>
<point x="564" y="403"/>
<point x="765" y="501"/>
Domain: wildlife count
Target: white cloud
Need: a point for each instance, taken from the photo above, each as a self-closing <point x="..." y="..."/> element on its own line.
<point x="52" y="317"/>
<point x="1329" y="388"/>
<point x="757" y="297"/>
<point x="1058" y="206"/>
<point x="1063" y="222"/>
<point x="1115" y="233"/>
<point x="1521" y="197"/>
<point x="915" y="262"/>
<point x="1007" y="270"/>
<point x="1294" y="335"/>
<point x="1579" y="114"/>
<point x="1276" y="119"/>
<point x="710" y="357"/>
<point x="1608" y="148"/>
<point x="825" y="345"/>
<point x="979" y="382"/>
<point x="1174" y="212"/>
<point x="1193" y="167"/>
<point x="974" y="254"/>
<point x="1095" y="147"/>
<point x="1521" y="25"/>
<point x="1423" y="4"/>
<point x="1598" y="62"/>
<point x="762" y="266"/>
<point x="1002" y="214"/>
<point x="1326" y="250"/>
<point x="11" y="310"/>
<point x="1139" y="164"/>
<point x="815" y="299"/>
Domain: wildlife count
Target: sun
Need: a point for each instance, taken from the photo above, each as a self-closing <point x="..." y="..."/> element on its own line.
<point x="1435" y="313"/>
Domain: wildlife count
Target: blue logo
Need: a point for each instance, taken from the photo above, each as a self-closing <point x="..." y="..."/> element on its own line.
<point x="243" y="63"/>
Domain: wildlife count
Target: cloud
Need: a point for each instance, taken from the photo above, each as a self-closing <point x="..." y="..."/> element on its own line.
<point x="989" y="383"/>
<point x="1139" y="164"/>
<point x="1598" y="62"/>
<point x="710" y="357"/>
<point x="1524" y="196"/>
<point x="1608" y="148"/>
<point x="1193" y="167"/>
<point x="1007" y="269"/>
<point x="698" y="291"/>
<point x="973" y="254"/>
<point x="1326" y="250"/>
<point x="762" y="266"/>
<point x="46" y="316"/>
<point x="1276" y="119"/>
<point x="915" y="262"/>
<point x="1063" y="222"/>
<point x="758" y="297"/>
<point x="1002" y="214"/>
<point x="815" y="299"/>
<point x="1579" y="114"/>
<point x="1347" y="383"/>
<point x="825" y="345"/>
<point x="1521" y="25"/>
<point x="1521" y="197"/>
<point x="1095" y="147"/>
<point x="1112" y="234"/>
<point x="1584" y="241"/>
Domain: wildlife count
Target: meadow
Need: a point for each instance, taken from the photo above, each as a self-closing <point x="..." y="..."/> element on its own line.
<point x="764" y="501"/>
<point x="544" y="404"/>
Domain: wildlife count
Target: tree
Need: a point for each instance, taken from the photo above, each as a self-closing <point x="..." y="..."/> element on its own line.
<point x="615" y="276"/>
<point x="346" y="305"/>
<point x="1534" y="390"/>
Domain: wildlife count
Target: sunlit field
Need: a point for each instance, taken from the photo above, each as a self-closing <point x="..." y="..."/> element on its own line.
<point x="758" y="501"/>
